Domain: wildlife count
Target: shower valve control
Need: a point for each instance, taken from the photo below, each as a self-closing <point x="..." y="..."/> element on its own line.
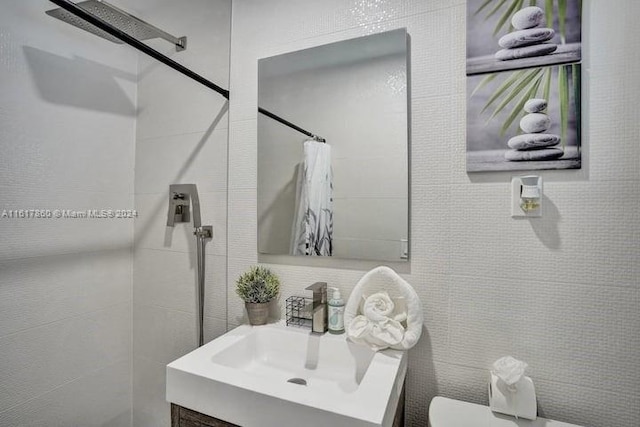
<point x="179" y="205"/>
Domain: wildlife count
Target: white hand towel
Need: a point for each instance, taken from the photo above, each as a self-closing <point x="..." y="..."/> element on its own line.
<point x="385" y="279"/>
<point x="386" y="333"/>
<point x="376" y="334"/>
<point x="359" y="328"/>
<point x="382" y="305"/>
<point x="378" y="307"/>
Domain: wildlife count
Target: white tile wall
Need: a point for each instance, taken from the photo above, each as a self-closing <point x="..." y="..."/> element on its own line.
<point x="172" y="104"/>
<point x="182" y="131"/>
<point x="65" y="287"/>
<point x="572" y="316"/>
<point x="40" y="359"/>
<point x="41" y="290"/>
<point x="98" y="399"/>
<point x="151" y="231"/>
<point x="149" y="390"/>
<point x="67" y="129"/>
<point x="161" y="335"/>
<point x="204" y="154"/>
<point x="54" y="236"/>
<point x="168" y="102"/>
<point x="167" y="279"/>
<point x="539" y="321"/>
<point x="588" y="234"/>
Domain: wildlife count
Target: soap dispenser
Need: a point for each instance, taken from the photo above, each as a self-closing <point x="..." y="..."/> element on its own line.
<point x="336" y="312"/>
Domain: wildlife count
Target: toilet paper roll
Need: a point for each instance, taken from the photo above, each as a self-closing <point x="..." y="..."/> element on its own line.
<point x="518" y="400"/>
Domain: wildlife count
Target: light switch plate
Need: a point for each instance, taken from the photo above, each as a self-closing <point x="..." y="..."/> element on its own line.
<point x="516" y="210"/>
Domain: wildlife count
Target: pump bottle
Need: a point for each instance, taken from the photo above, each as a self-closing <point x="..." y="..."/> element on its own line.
<point x="336" y="312"/>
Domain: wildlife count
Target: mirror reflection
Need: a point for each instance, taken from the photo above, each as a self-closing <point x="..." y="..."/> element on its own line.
<point x="333" y="150"/>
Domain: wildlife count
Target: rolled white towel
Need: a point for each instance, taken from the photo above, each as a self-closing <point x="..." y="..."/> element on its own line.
<point x="376" y="334"/>
<point x="359" y="328"/>
<point x="377" y="327"/>
<point x="407" y="304"/>
<point x="381" y="305"/>
<point x="378" y="306"/>
<point x="386" y="333"/>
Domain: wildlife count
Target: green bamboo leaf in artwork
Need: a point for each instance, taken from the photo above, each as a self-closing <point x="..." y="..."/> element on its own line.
<point x="485" y="81"/>
<point x="534" y="93"/>
<point x="513" y="78"/>
<point x="546" y="90"/>
<point x="548" y="9"/>
<point x="482" y="6"/>
<point x="562" y="18"/>
<point x="563" y="93"/>
<point x="495" y="9"/>
<point x="527" y="80"/>
<point x="515" y="5"/>
<point x="518" y="109"/>
<point x="576" y="77"/>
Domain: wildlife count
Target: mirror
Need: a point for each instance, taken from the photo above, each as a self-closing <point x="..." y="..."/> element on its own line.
<point x="348" y="197"/>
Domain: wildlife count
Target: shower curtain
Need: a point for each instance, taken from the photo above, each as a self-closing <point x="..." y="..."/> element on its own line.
<point x="312" y="230"/>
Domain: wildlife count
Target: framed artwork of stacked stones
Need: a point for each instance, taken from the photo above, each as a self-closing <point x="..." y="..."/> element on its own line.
<point x="523" y="85"/>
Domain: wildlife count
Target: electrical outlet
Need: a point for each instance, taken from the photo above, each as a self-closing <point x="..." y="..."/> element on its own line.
<point x="517" y="210"/>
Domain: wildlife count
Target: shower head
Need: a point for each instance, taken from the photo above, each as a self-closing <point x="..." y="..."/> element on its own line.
<point x="118" y="18"/>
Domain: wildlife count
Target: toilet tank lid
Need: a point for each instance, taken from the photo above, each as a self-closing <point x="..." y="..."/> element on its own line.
<point x="444" y="412"/>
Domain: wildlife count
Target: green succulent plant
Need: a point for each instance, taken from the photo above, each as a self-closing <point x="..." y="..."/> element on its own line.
<point x="258" y="285"/>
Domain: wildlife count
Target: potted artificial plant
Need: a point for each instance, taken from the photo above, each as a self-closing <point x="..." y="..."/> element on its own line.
<point x="257" y="287"/>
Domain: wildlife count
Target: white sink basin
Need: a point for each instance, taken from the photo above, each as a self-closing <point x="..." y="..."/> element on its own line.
<point x="243" y="377"/>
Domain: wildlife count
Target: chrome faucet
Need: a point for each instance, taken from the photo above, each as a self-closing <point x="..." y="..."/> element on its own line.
<point x="319" y="308"/>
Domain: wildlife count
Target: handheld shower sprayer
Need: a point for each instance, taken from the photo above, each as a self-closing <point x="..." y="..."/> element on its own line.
<point x="182" y="197"/>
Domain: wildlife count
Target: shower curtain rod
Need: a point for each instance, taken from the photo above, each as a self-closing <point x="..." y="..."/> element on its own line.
<point x="133" y="42"/>
<point x="291" y="125"/>
<point x="137" y="44"/>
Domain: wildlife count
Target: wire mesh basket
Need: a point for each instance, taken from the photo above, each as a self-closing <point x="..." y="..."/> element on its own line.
<point x="299" y="311"/>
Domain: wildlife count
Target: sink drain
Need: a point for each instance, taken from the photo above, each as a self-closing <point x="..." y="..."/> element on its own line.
<point x="298" y="381"/>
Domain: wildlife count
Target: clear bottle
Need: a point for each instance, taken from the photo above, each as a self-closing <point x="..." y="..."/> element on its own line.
<point x="336" y="312"/>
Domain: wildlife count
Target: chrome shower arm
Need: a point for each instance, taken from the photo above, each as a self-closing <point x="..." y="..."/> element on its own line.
<point x="180" y="42"/>
<point x="114" y="16"/>
<point x="137" y="44"/>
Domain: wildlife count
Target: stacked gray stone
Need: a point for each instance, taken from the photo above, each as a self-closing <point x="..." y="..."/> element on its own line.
<point x="534" y="144"/>
<point x="528" y="39"/>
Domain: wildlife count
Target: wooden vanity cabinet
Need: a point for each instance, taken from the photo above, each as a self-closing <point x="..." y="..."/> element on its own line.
<point x="183" y="417"/>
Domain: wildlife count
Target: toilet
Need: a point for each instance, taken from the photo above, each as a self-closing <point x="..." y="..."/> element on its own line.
<point x="444" y="412"/>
